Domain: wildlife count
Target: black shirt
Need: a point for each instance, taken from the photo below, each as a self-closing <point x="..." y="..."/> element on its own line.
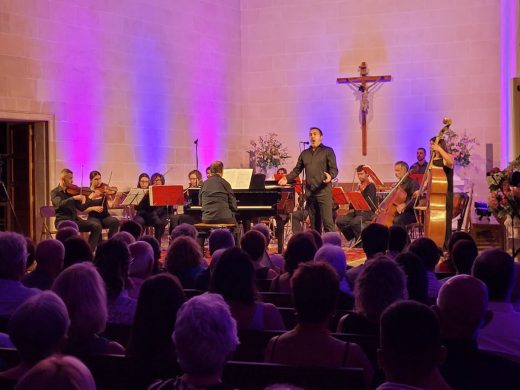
<point x="369" y="193"/>
<point x="315" y="162"/>
<point x="416" y="168"/>
<point x="64" y="205"/>
<point x="217" y="199"/>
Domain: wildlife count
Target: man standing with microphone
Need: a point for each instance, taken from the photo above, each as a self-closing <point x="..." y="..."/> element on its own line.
<point x="319" y="162"/>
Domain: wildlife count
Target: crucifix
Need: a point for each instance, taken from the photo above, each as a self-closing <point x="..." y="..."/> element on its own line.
<point x="363" y="84"/>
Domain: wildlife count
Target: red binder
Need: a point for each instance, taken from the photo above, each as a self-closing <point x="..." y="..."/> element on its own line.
<point x="166" y="195"/>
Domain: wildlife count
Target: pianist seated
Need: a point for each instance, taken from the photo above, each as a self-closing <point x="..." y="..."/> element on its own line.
<point x="216" y="197"/>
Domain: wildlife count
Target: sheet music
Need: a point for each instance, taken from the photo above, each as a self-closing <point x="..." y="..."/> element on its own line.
<point x="238" y="178"/>
<point x="135" y="196"/>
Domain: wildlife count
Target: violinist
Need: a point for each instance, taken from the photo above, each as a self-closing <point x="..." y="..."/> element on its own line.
<point x="147" y="215"/>
<point x="98" y="202"/>
<point x="354" y="221"/>
<point x="442" y="158"/>
<point x="67" y="199"/>
<point x="405" y="212"/>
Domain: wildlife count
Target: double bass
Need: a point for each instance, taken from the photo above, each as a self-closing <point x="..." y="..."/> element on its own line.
<point x="434" y="189"/>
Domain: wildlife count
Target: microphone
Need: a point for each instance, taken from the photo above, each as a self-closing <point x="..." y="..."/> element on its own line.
<point x="196" y="141"/>
<point x="305" y="142"/>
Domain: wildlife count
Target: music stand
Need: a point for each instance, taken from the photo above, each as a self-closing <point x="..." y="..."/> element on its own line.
<point x="339" y="196"/>
<point x="134" y="197"/>
<point x="358" y="201"/>
<point x="166" y="195"/>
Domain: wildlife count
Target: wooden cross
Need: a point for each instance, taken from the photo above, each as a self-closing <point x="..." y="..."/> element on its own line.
<point x="364" y="84"/>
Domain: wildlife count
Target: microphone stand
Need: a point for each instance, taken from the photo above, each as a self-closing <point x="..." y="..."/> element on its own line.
<point x="196" y="142"/>
<point x="304" y="187"/>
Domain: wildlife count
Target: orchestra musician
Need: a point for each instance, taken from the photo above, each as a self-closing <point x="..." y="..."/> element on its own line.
<point x="67" y="199"/>
<point x="216" y="197"/>
<point x="319" y="162"/>
<point x="98" y="202"/>
<point x="354" y="221"/>
<point x="194" y="181"/>
<point x="421" y="164"/>
<point x="147" y="215"/>
<point x="442" y="158"/>
<point x="405" y="212"/>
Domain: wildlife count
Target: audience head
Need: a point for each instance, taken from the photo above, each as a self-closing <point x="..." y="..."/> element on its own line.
<point x="220" y="239"/>
<point x="184" y="229"/>
<point x="49" y="256"/>
<point x="496" y="269"/>
<point x="380" y="283"/>
<point x="112" y="261"/>
<point x="462" y="307"/>
<point x="141" y="265"/>
<point x="397" y="238"/>
<point x="58" y="372"/>
<point x="156" y="250"/>
<point x="68" y="223"/>
<point x="13" y="255"/>
<point x="125" y="237"/>
<point x="215" y="257"/>
<point x="160" y="298"/>
<point x="31" y="250"/>
<point x="375" y="239"/>
<point x="39" y="326"/>
<point x="183" y="255"/>
<point x="83" y="291"/>
<point x="428" y="252"/>
<point x="416" y="276"/>
<point x="463" y="254"/>
<point x="131" y="227"/>
<point x="300" y="248"/>
<point x="205" y="335"/>
<point x="457" y="236"/>
<point x="264" y="229"/>
<point x="77" y="250"/>
<point x="234" y="277"/>
<point x="333" y="255"/>
<point x="253" y="243"/>
<point x="410" y="343"/>
<point x="315" y="290"/>
<point x="65" y="233"/>
<point x="332" y="238"/>
<point x="316" y="236"/>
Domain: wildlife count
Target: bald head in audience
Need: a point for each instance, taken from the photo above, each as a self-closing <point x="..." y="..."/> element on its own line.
<point x="462" y="306"/>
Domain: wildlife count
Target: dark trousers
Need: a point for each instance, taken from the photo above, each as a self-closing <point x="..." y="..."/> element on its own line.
<point x="110" y="223"/>
<point x="319" y="205"/>
<point x="405" y="218"/>
<point x="88" y="226"/>
<point x="152" y="220"/>
<point x="352" y="223"/>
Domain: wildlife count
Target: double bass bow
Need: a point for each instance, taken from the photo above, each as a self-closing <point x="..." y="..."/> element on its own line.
<point x="434" y="189"/>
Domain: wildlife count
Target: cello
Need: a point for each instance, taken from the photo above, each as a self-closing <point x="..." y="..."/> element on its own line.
<point x="388" y="207"/>
<point x="435" y="186"/>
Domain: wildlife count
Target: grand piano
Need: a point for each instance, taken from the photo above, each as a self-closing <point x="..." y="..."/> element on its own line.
<point x="273" y="201"/>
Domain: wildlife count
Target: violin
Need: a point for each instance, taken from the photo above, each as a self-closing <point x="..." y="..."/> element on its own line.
<point x="105" y="189"/>
<point x="74" y="190"/>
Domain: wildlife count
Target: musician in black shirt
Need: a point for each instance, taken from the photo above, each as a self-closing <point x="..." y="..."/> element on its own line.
<point x="216" y="197"/>
<point x="405" y="211"/>
<point x="356" y="220"/>
<point x="319" y="162"/>
<point x="421" y="164"/>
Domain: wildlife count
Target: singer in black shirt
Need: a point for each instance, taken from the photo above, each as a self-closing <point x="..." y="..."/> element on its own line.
<point x="319" y="162"/>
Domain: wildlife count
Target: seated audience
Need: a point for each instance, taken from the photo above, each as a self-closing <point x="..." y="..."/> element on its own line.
<point x="141" y="266"/>
<point x="253" y="243"/>
<point x="184" y="260"/>
<point x="416" y="277"/>
<point x="300" y="248"/>
<point x="184" y="229"/>
<point x="132" y="227"/>
<point x="274" y="261"/>
<point x="398" y="239"/>
<point x="332" y="238"/>
<point x="49" y="263"/>
<point x="496" y="269"/>
<point x="380" y="283"/>
<point x="68" y="223"/>
<point x="463" y="255"/>
<point x="429" y="253"/>
<point x="317" y="238"/>
<point x="447" y="265"/>
<point x="13" y="257"/>
<point x="156" y="251"/>
<point x="234" y="279"/>
<point x="66" y="232"/>
<point x="462" y="310"/>
<point x="315" y="288"/>
<point x="151" y="346"/>
<point x="374" y="240"/>
<point x="81" y="288"/>
<point x="58" y="372"/>
<point x="205" y="336"/>
<point x="77" y="250"/>
<point x="125" y="237"/>
<point x="37" y="329"/>
<point x="336" y="257"/>
<point x="112" y="261"/>
<point x="31" y="250"/>
<point x="411" y="348"/>
<point x="220" y="239"/>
